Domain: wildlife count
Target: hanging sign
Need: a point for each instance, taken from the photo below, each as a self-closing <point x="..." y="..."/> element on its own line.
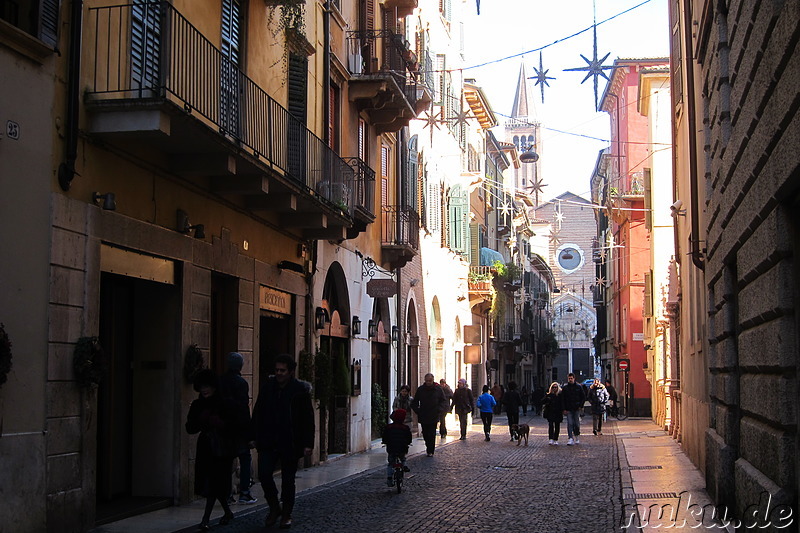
<point x="381" y="288"/>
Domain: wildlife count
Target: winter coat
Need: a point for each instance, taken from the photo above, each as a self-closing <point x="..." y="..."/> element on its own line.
<point x="553" y="408"/>
<point x="283" y="418"/>
<point x="486" y="402"/>
<point x="573" y="397"/>
<point x="463" y="401"/>
<point x="215" y="420"/>
<point x="233" y="388"/>
<point x="448" y="394"/>
<point x="512" y="400"/>
<point x="397" y="438"/>
<point x="598" y="397"/>
<point x="404" y="403"/>
<point x="429" y="403"/>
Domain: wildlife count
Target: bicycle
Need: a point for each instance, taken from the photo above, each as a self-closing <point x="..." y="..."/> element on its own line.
<point x="399" y="472"/>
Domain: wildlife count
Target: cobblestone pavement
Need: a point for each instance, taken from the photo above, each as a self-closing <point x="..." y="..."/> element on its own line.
<point x="471" y="486"/>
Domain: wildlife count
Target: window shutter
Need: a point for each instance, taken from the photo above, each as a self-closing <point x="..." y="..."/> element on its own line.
<point x="385" y="175"/>
<point x="648" y="199"/>
<point x="145" y="44"/>
<point x="458" y="221"/>
<point x="49" y="22"/>
<point x="475" y="244"/>
<point x="647" y="309"/>
<point x="435" y="207"/>
<point x="297" y="86"/>
<point x="362" y="139"/>
<point x="422" y="186"/>
<point x="411" y="178"/>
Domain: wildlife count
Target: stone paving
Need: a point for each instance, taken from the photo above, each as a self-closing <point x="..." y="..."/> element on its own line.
<point x="471" y="486"/>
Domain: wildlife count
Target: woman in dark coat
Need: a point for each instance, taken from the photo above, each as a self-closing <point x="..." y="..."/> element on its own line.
<point x="553" y="411"/>
<point x="216" y="421"/>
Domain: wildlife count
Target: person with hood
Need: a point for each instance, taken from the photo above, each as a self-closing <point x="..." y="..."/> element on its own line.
<point x="234" y="388"/>
<point x="429" y="403"/>
<point x="464" y="405"/>
<point x="553" y="411"/>
<point x="283" y="432"/>
<point x="486" y="403"/>
<point x="215" y="419"/>
<point x="573" y="398"/>
<point x="397" y="438"/>
<point x="598" y="397"/>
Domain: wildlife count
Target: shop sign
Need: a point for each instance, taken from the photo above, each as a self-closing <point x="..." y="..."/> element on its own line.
<point x="274" y="300"/>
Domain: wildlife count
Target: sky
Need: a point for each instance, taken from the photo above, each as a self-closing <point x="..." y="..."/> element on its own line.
<point x="509" y="27"/>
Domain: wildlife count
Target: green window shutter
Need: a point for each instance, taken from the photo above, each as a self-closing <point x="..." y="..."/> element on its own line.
<point x="474" y="244"/>
<point x="648" y="199"/>
<point x="458" y="221"/>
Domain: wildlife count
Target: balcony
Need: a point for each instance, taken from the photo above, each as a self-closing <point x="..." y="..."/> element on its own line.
<point x="508" y="332"/>
<point x="399" y="234"/>
<point x="404" y="7"/>
<point x="157" y="87"/>
<point x="363" y="196"/>
<point x="384" y="80"/>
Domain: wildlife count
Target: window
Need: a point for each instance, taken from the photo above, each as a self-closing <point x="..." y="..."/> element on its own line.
<point x="333" y="117"/>
<point x="145" y="44"/>
<point x="458" y="220"/>
<point x="229" y="68"/>
<point x="297" y="86"/>
<point x="362" y="139"/>
<point x="38" y="18"/>
<point x="384" y="175"/>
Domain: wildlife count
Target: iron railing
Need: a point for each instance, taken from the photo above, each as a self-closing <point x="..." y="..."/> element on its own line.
<point x="400" y="226"/>
<point x="149" y="52"/>
<point x="364" y="187"/>
<point x="386" y="52"/>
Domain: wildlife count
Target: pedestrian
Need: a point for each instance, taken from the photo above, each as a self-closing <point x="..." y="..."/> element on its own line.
<point x="536" y="399"/>
<point x="612" y="397"/>
<point x="553" y="411"/>
<point x="397" y="438"/>
<point x="598" y="397"/>
<point x="512" y="401"/>
<point x="448" y="394"/>
<point x="403" y="401"/>
<point x="573" y="399"/>
<point x="486" y="403"/>
<point x="215" y="420"/>
<point x="234" y="388"/>
<point x="429" y="403"/>
<point x="525" y="399"/>
<point x="464" y="405"/>
<point x="283" y="432"/>
<point x="497" y="393"/>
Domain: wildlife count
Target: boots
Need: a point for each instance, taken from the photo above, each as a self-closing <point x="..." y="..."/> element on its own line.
<point x="274" y="511"/>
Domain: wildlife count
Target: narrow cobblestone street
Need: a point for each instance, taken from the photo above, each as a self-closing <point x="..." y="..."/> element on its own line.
<point x="475" y="485"/>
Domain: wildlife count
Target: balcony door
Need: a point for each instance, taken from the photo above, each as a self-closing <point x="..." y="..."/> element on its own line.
<point x="229" y="103"/>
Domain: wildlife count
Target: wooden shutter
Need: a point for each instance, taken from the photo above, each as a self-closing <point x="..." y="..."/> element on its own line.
<point x="474" y="244"/>
<point x="384" y="175"/>
<point x="412" y="174"/>
<point x="297" y="86"/>
<point x="458" y="220"/>
<point x="362" y="139"/>
<point x="648" y="199"/>
<point x="145" y="44"/>
<point x="229" y="67"/>
<point x="647" y="309"/>
<point x="48" y="32"/>
<point x="333" y="116"/>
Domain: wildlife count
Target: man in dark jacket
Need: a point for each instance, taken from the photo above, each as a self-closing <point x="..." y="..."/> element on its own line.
<point x="464" y="405"/>
<point x="512" y="400"/>
<point x="429" y="403"/>
<point x="448" y="395"/>
<point x="283" y="431"/>
<point x="573" y="398"/>
<point x="234" y="389"/>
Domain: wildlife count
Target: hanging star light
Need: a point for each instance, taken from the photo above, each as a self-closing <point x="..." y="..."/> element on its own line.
<point x="541" y="76"/>
<point x="536" y="188"/>
<point x="600" y="281"/>
<point x="559" y="217"/>
<point x="594" y="68"/>
<point x="432" y="119"/>
<point x="555" y="237"/>
<point x="505" y="208"/>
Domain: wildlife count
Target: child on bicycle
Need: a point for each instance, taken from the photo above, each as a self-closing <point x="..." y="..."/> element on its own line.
<point x="397" y="438"/>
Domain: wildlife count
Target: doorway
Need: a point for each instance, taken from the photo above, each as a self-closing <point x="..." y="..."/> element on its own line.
<point x="139" y="331"/>
<point x="274" y="338"/>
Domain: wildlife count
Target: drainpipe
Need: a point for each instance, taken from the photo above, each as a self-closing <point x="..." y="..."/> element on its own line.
<point x="66" y="170"/>
<point x="326" y="72"/>
<point x="696" y="252"/>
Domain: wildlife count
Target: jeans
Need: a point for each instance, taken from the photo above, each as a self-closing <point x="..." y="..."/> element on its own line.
<point x="429" y="434"/>
<point x="573" y="424"/>
<point x="513" y="418"/>
<point x="267" y="461"/>
<point x="463" y="418"/>
<point x="487" y="422"/>
<point x="597" y="422"/>
<point x="245" y="462"/>
<point x="553" y="429"/>
<point x="392" y="459"/>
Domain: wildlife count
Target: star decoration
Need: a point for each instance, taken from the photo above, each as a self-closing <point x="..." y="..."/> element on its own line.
<point x="559" y="217"/>
<point x="432" y="120"/>
<point x="603" y="254"/>
<point x="505" y="208"/>
<point x="594" y="67"/>
<point x="555" y="237"/>
<point x="536" y="188"/>
<point x="600" y="281"/>
<point x="461" y="118"/>
<point x="541" y="76"/>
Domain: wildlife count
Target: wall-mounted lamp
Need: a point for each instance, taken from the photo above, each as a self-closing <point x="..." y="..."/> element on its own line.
<point x="556" y="290"/>
<point x="319" y="318"/>
<point x="185" y="227"/>
<point x="372" y="329"/>
<point x="676" y="210"/>
<point x="577" y="322"/>
<point x="356" y="326"/>
<point x="395" y="334"/>
<point x="109" y="200"/>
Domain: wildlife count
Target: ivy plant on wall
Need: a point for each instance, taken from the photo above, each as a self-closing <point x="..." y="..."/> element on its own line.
<point x="89" y="362"/>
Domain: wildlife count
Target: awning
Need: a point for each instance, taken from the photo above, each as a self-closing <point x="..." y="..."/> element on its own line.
<point x="489" y="256"/>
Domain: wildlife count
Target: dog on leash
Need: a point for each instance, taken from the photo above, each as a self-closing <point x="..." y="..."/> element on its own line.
<point x="521" y="431"/>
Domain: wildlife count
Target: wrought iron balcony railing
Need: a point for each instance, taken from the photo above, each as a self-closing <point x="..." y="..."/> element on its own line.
<point x="364" y="192"/>
<point x="148" y="53"/>
<point x="386" y="52"/>
<point x="400" y="227"/>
